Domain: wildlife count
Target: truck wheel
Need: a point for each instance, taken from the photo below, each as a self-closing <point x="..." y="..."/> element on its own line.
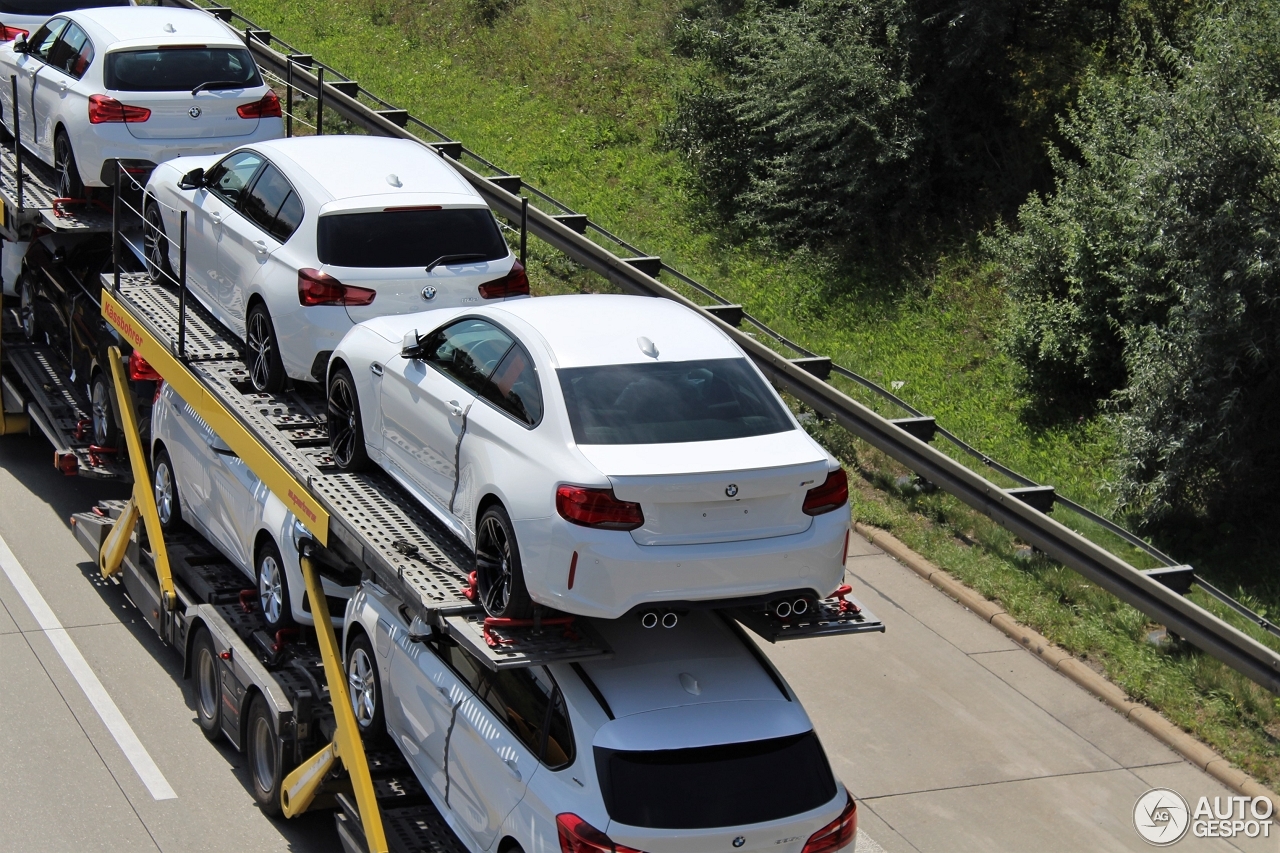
<point x="365" y="687"/>
<point x="204" y="669"/>
<point x="168" y="507"/>
<point x="105" y="433"/>
<point x="346" y="432"/>
<point x="263" y="751"/>
<point x="273" y="588"/>
<point x="266" y="370"/>
<point x="499" y="575"/>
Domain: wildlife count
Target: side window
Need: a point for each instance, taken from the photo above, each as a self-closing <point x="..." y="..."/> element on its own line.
<point x="513" y="387"/>
<point x="467" y="351"/>
<point x="45" y="38"/>
<point x="82" y="60"/>
<point x="288" y="219"/>
<point x="65" y="55"/>
<point x="264" y="202"/>
<point x="229" y="177"/>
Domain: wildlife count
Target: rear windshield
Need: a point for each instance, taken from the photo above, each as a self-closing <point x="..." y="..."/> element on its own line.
<point x="53" y="7"/>
<point x="658" y="403"/>
<point x="409" y="238"/>
<point x="179" y="69"/>
<point x="715" y="786"/>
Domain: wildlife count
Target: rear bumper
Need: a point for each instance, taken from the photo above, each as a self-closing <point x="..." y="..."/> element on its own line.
<point x="106" y="142"/>
<point x="613" y="574"/>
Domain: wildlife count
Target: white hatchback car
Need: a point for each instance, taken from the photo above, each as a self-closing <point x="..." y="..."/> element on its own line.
<point x="291" y="242"/>
<point x="23" y="17"/>
<point x="599" y="453"/>
<point x="132" y="84"/>
<point x="201" y="481"/>
<point x="685" y="741"/>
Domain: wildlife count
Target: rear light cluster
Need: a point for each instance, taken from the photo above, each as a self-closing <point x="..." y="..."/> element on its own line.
<point x="140" y="370"/>
<point x="104" y="110"/>
<point x="836" y="835"/>
<point x="578" y="836"/>
<point x="832" y="494"/>
<point x="597" y="508"/>
<point x="267" y="107"/>
<point x="11" y="33"/>
<point x="514" y="283"/>
<point x="318" y="288"/>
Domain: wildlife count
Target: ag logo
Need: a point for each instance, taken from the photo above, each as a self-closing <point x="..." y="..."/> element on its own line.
<point x="194" y="112"/>
<point x="1161" y="817"/>
<point x="428" y="293"/>
<point x="731" y="489"/>
<point x="739" y="841"/>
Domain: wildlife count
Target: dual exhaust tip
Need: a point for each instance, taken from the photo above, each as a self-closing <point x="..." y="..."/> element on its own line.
<point x="654" y="618"/>
<point x="785" y="609"/>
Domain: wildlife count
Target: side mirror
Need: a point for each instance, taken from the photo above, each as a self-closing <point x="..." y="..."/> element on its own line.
<point x="192" y="180"/>
<point x="411" y="347"/>
<point x="419" y="631"/>
<point x="20" y="45"/>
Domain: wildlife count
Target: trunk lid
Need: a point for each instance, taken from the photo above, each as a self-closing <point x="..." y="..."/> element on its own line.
<point x="171" y="113"/>
<point x="400" y="289"/>
<point x="703" y="492"/>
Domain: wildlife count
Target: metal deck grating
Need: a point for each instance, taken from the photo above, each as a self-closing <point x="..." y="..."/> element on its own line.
<point x="38" y="194"/>
<point x="205" y="338"/>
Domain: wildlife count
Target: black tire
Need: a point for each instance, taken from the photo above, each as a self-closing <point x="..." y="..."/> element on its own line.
<point x="266" y="370"/>
<point x="208" y="689"/>
<point x="365" y="688"/>
<point x="105" y="431"/>
<point x="164" y="484"/>
<point x="274" y="597"/>
<point x="499" y="574"/>
<point x="27" y="313"/>
<point x="346" y="429"/>
<point x="64" y="163"/>
<point x="263" y="754"/>
<point x="155" y="246"/>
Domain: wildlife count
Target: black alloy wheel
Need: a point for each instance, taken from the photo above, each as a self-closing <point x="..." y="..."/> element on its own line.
<point x="346" y="431"/>
<point x="27" y="305"/>
<point x="64" y="163"/>
<point x="266" y="370"/>
<point x="208" y="689"/>
<point x="155" y="246"/>
<point x="105" y="432"/>
<point x="499" y="576"/>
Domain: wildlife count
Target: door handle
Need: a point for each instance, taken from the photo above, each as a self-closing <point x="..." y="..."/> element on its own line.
<point x="261" y="246"/>
<point x="455" y="409"/>
<point x="511" y="765"/>
<point x="216" y="217"/>
<point x="62" y="87"/>
<point x="375" y="368"/>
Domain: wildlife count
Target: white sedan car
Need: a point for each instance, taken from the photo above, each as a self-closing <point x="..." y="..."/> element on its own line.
<point x="688" y="740"/>
<point x="599" y="453"/>
<point x="133" y="84"/>
<point x="200" y="481"/>
<point x="291" y="242"/>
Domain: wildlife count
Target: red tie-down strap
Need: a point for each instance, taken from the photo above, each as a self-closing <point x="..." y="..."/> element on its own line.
<point x="247" y="595"/>
<point x="494" y="641"/>
<point x="846" y="606"/>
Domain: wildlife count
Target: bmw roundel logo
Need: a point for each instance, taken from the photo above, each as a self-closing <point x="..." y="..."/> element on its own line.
<point x="194" y="112"/>
<point x="739" y="841"/>
<point x="428" y="293"/>
<point x="731" y="490"/>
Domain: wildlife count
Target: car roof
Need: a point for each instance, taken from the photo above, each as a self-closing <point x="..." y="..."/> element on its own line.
<point x="695" y="684"/>
<point x="147" y="25"/>
<point x="596" y="329"/>
<point x="353" y="166"/>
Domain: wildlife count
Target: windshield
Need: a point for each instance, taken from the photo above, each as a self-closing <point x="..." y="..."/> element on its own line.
<point x="53" y="7"/>
<point x="409" y="238"/>
<point x="658" y="403"/>
<point x="180" y="69"/>
<point x="752" y="782"/>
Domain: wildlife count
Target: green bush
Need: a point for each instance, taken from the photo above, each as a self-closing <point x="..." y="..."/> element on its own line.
<point x="1148" y="278"/>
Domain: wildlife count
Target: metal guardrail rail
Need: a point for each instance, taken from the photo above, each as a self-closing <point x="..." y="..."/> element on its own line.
<point x="1015" y="509"/>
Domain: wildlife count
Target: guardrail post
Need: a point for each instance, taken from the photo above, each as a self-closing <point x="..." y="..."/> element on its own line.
<point x="115" y="227"/>
<point x="524" y="226"/>
<point x="17" y="141"/>
<point x="182" y="285"/>
<point x="319" y="100"/>
<point x="288" y="96"/>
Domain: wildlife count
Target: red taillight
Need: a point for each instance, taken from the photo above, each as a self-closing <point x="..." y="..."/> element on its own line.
<point x="317" y="288"/>
<point x="139" y="370"/>
<point x="514" y="283"/>
<point x="104" y="110"/>
<point x="578" y="836"/>
<point x="11" y="33"/>
<point x="832" y="494"/>
<point x="836" y="835"/>
<point x="267" y="107"/>
<point x="597" y="508"/>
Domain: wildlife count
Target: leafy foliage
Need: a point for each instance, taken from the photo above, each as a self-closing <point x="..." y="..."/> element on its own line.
<point x="1150" y="275"/>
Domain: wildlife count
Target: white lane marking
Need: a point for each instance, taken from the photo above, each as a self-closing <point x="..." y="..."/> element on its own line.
<point x="97" y="695"/>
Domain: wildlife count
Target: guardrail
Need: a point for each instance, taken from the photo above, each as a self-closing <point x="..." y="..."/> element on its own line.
<point x="1022" y="509"/>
